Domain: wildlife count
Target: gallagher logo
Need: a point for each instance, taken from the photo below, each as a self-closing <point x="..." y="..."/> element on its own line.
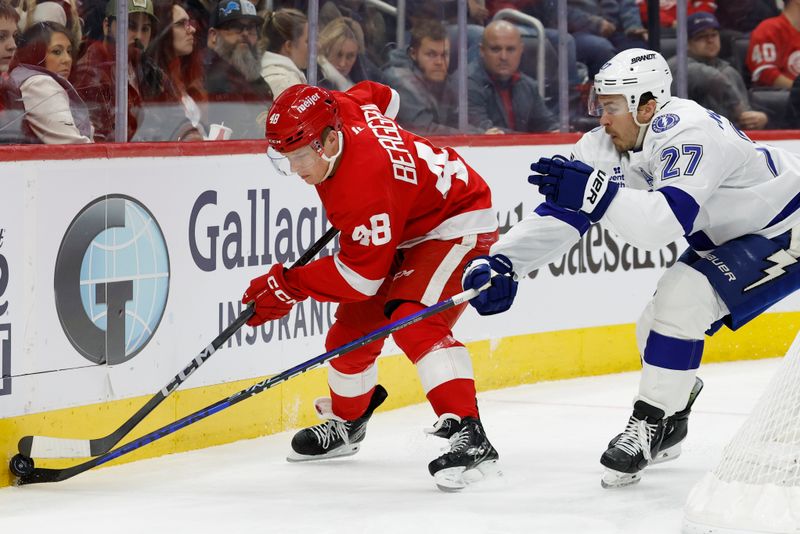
<point x="111" y="279"/>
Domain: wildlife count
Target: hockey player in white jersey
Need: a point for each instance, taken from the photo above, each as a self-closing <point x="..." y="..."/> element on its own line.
<point x="658" y="168"/>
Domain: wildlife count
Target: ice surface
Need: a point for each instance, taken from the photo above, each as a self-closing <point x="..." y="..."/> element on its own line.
<point x="549" y="435"/>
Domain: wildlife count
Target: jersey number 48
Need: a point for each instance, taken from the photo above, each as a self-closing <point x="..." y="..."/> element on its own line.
<point x="379" y="231"/>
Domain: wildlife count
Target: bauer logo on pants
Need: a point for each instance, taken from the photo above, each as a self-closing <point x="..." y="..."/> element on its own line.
<point x="111" y="279"/>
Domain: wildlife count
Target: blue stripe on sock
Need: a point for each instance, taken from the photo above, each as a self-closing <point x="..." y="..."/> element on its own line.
<point x="672" y="353"/>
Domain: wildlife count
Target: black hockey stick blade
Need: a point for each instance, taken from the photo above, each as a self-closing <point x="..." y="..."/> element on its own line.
<point x="39" y="475"/>
<point x="49" y="447"/>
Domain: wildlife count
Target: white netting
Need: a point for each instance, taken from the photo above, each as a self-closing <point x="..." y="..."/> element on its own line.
<point x="756" y="486"/>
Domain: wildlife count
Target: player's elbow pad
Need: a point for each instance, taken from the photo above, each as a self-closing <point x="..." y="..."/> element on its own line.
<point x="645" y="220"/>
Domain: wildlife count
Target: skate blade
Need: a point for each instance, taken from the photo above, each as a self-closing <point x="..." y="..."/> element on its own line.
<point x="339" y="452"/>
<point x="668" y="454"/>
<point x="455" y="479"/>
<point x="616" y="479"/>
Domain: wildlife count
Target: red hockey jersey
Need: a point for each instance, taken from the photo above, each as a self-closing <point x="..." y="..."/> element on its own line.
<point x="774" y="50"/>
<point x="392" y="189"/>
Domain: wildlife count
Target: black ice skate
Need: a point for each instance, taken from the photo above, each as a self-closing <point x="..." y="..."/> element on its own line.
<point x="676" y="427"/>
<point x="470" y="457"/>
<point x="335" y="437"/>
<point x="635" y="448"/>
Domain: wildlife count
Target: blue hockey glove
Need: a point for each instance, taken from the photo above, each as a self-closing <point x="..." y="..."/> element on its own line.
<point x="499" y="296"/>
<point x="573" y="185"/>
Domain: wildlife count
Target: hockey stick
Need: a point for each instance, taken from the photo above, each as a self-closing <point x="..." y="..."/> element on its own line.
<point x="38" y="474"/>
<point x="47" y="447"/>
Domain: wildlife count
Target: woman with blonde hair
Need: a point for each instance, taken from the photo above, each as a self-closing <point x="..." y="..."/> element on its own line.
<point x="341" y="44"/>
<point x="285" y="41"/>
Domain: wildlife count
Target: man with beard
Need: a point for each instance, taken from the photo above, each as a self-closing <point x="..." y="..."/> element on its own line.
<point x="95" y="73"/>
<point x="237" y="94"/>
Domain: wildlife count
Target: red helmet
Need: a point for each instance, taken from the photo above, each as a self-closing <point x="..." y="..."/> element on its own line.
<point x="299" y="116"/>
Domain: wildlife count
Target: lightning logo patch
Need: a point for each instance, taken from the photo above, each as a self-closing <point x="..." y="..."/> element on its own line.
<point x="781" y="259"/>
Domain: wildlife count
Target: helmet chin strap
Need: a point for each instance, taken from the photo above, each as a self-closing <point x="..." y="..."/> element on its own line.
<point x="642" y="130"/>
<point x="332" y="159"/>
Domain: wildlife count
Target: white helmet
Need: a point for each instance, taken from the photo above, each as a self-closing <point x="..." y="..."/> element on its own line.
<point x="632" y="73"/>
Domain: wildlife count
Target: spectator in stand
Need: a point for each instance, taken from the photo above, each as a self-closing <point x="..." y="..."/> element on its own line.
<point x="500" y="96"/>
<point x="54" y="112"/>
<point x="286" y="49"/>
<point x="95" y="74"/>
<point x="64" y="12"/>
<point x="373" y="26"/>
<point x="9" y="32"/>
<point x="737" y="19"/>
<point x="773" y="57"/>
<point x="545" y="11"/>
<point x="668" y="13"/>
<point x="446" y="11"/>
<point x="601" y="28"/>
<point x="428" y="96"/>
<point x="237" y="93"/>
<point x="9" y="35"/>
<point x="172" y="79"/>
<point x="11" y="106"/>
<point x="713" y="82"/>
<point x="341" y="47"/>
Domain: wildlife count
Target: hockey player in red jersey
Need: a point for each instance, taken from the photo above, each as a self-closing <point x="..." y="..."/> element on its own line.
<point x="411" y="215"/>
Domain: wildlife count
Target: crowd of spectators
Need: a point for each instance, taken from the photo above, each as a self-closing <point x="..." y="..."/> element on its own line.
<point x="197" y="63"/>
<point x="712" y="81"/>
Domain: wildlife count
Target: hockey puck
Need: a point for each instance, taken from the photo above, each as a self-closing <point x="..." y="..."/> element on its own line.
<point x="21" y="465"/>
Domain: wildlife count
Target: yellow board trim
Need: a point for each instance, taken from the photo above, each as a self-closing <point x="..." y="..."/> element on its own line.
<point x="498" y="363"/>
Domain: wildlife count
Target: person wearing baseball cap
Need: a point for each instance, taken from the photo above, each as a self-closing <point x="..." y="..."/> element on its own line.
<point x="234" y="11"/>
<point x="95" y="76"/>
<point x="713" y="82"/>
<point x="700" y="21"/>
<point x="232" y="63"/>
<point x="141" y="21"/>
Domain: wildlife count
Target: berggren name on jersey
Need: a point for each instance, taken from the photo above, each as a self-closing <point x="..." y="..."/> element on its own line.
<point x="388" y="135"/>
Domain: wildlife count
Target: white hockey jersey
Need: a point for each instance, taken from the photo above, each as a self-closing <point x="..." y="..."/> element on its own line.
<point x="696" y="176"/>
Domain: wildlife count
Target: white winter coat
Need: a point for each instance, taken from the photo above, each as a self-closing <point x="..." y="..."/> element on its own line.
<point x="280" y="72"/>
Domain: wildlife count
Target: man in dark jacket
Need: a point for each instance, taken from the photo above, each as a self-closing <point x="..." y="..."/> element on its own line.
<point x="500" y="96"/>
<point x="237" y="94"/>
<point x="428" y="96"/>
<point x="713" y="82"/>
